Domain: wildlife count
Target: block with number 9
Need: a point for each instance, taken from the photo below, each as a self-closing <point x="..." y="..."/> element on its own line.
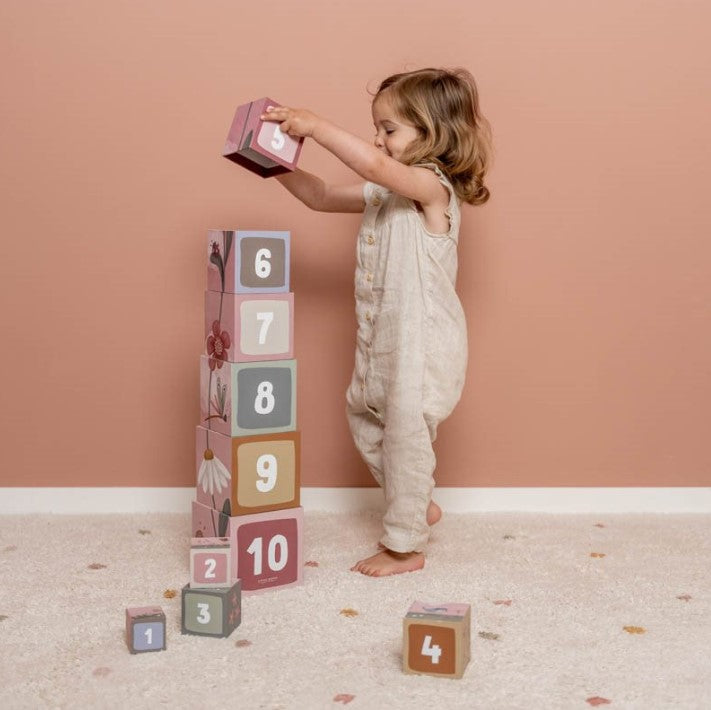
<point x="267" y="548"/>
<point x="258" y="145"/>
<point x="242" y="475"/>
<point x="246" y="328"/>
<point x="211" y="612"/>
<point x="247" y="398"/>
<point x="436" y="639"/>
<point x="145" y="629"/>
<point x="248" y="261"/>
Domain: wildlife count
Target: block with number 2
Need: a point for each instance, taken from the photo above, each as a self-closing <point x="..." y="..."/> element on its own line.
<point x="210" y="563"/>
<point x="436" y="639"/>
<point x="267" y="548"/>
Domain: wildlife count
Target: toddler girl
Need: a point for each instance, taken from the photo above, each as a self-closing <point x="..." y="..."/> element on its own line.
<point x="431" y="152"/>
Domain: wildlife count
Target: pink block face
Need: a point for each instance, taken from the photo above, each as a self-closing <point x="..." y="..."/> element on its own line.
<point x="258" y="145"/>
<point x="241" y="328"/>
<point x="267" y="549"/>
<point x="454" y="610"/>
<point x="210" y="568"/>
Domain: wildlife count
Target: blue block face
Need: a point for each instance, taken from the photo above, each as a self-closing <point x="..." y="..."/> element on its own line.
<point x="264" y="396"/>
<point x="148" y="636"/>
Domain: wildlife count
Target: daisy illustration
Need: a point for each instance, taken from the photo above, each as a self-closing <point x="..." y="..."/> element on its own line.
<point x="213" y="475"/>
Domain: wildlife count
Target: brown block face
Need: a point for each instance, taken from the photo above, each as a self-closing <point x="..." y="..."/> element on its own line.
<point x="431" y="649"/>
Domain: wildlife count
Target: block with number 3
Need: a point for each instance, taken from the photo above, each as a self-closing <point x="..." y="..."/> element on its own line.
<point x="267" y="548"/>
<point x="245" y="328"/>
<point x="145" y="629"/>
<point x="210" y="563"/>
<point x="248" y="261"/>
<point x="211" y="612"/>
<point x="436" y="639"/>
<point x="258" y="145"/>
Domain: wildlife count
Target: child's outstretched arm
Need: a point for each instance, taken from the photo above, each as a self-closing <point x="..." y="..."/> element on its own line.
<point x="314" y="193"/>
<point x="417" y="183"/>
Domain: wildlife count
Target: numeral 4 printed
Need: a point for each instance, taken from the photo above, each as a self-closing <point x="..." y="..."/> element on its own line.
<point x="433" y="651"/>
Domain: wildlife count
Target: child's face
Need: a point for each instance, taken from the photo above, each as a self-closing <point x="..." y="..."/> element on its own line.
<point x="393" y="133"/>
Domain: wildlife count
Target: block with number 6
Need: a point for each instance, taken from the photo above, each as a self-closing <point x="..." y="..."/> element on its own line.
<point x="248" y="398"/>
<point x="145" y="629"/>
<point x="211" y="612"/>
<point x="267" y="548"/>
<point x="258" y="145"/>
<point x="210" y="563"/>
<point x="244" y="328"/>
<point x="436" y="639"/>
<point x="248" y="261"/>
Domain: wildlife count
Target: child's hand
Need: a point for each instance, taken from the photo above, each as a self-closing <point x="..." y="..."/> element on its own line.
<point x="295" y="122"/>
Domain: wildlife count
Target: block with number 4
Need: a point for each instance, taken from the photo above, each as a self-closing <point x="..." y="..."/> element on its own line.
<point x="245" y="328"/>
<point x="248" y="261"/>
<point x="145" y="629"/>
<point x="210" y="563"/>
<point x="242" y="475"/>
<point x="258" y="145"/>
<point x="211" y="612"/>
<point x="436" y="639"/>
<point x="267" y="548"/>
<point x="247" y="398"/>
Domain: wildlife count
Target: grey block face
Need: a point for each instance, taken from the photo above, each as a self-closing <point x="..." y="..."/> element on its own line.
<point x="203" y="613"/>
<point x="264" y="397"/>
<point x="262" y="262"/>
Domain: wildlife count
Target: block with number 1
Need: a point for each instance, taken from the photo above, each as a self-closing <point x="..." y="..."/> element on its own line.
<point x="436" y="639"/>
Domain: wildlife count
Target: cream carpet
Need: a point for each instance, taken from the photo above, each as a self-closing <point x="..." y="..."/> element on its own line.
<point x="568" y="611"/>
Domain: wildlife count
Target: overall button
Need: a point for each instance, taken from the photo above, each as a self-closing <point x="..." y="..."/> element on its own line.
<point x="370" y="239"/>
<point x="369" y="277"/>
<point x="368" y="316"/>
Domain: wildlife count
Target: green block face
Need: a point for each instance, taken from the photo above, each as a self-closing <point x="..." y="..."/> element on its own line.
<point x="202" y="613"/>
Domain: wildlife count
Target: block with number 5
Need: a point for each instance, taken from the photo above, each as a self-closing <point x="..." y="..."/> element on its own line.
<point x="258" y="145"/>
<point x="145" y="629"/>
<point x="267" y="548"/>
<point x="248" y="261"/>
<point x="247" y="398"/>
<point x="436" y="639"/>
<point x="242" y="475"/>
<point x="211" y="612"/>
<point x="245" y="328"/>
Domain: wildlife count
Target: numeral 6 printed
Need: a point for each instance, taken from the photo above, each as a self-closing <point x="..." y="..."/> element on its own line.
<point x="262" y="265"/>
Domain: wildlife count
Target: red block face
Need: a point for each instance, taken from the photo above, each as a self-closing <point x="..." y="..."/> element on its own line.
<point x="211" y="568"/>
<point x="267" y="553"/>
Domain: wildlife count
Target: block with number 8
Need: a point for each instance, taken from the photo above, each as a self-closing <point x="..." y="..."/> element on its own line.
<point x="248" y="398"/>
<point x="145" y="629"/>
<point x="267" y="548"/>
<point x="245" y="328"/>
<point x="210" y="563"/>
<point x="258" y="145"/>
<point x="436" y="639"/>
<point x="247" y="474"/>
<point x="248" y="261"/>
<point x="211" y="612"/>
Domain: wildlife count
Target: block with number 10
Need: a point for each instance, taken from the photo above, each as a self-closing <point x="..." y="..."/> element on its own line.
<point x="436" y="639"/>
<point x="266" y="548"/>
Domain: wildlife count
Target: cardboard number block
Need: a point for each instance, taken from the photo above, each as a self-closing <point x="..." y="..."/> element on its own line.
<point x="210" y="563"/>
<point x="242" y="328"/>
<point x="243" y="475"/>
<point x="211" y="612"/>
<point x="244" y="261"/>
<point x="248" y="398"/>
<point x="267" y="548"/>
<point x="145" y="629"/>
<point x="436" y="639"/>
<point x="259" y="145"/>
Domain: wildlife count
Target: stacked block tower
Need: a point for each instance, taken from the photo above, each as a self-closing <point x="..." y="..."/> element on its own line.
<point x="247" y="444"/>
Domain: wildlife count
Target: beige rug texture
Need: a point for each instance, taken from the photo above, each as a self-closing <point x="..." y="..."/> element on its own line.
<point x="568" y="611"/>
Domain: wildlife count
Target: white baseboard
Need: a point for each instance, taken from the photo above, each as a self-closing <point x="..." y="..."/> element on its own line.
<point x="453" y="500"/>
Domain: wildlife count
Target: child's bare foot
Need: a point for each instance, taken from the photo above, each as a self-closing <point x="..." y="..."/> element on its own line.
<point x="388" y="562"/>
<point x="434" y="513"/>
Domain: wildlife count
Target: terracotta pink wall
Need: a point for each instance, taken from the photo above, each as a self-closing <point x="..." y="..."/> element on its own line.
<point x="585" y="279"/>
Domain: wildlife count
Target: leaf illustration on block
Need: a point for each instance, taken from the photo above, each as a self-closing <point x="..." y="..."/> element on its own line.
<point x="228" y="248"/>
<point x="224" y="522"/>
<point x="216" y="259"/>
<point x="227" y="508"/>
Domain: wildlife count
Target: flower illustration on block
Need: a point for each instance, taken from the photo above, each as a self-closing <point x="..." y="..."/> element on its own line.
<point x="213" y="475"/>
<point x="219" y="402"/>
<point x="218" y="343"/>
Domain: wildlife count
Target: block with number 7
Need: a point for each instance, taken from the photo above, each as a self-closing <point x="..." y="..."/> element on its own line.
<point x="267" y="548"/>
<point x="436" y="639"/>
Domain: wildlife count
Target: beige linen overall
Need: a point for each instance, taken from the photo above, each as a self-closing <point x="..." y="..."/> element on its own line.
<point x="411" y="354"/>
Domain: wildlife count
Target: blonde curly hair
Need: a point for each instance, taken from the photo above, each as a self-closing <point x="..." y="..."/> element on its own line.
<point x="443" y="105"/>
